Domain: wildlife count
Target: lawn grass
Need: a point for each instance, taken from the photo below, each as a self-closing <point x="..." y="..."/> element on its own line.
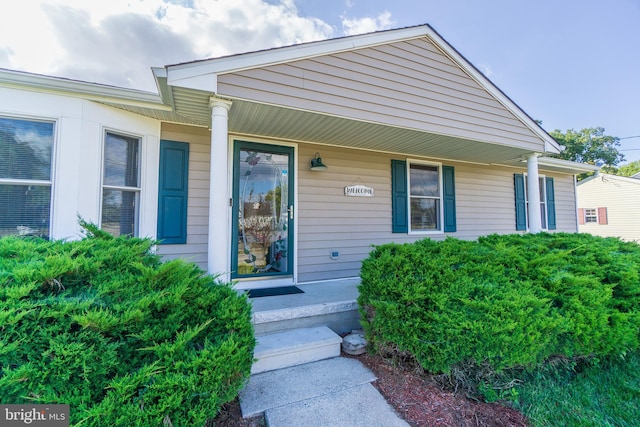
<point x="606" y="393"/>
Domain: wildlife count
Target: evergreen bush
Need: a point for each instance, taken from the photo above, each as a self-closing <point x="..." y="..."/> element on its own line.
<point x="127" y="340"/>
<point x="503" y="301"/>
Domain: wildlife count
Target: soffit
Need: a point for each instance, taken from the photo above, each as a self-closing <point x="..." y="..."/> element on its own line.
<point x="163" y="115"/>
<point x="269" y="121"/>
<point x="188" y="106"/>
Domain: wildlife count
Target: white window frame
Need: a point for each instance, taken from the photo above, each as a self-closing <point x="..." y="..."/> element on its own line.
<point x="440" y="228"/>
<point x="544" y="217"/>
<point x="137" y="190"/>
<point x="594" y="216"/>
<point x="38" y="182"/>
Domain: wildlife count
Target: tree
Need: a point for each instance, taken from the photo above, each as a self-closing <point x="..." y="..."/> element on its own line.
<point x="629" y="169"/>
<point x="591" y="146"/>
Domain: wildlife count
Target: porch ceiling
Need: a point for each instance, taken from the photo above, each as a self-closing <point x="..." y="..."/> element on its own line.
<point x="277" y="122"/>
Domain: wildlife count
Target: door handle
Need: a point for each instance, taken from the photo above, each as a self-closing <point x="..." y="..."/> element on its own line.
<point x="290" y="210"/>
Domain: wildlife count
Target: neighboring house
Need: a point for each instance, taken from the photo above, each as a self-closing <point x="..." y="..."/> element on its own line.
<point x="221" y="166"/>
<point x="608" y="206"/>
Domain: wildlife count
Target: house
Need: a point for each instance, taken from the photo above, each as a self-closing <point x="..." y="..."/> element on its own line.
<point x="286" y="165"/>
<point x="608" y="206"/>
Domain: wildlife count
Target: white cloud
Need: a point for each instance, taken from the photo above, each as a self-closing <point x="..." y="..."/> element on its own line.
<point x="117" y="41"/>
<point x="486" y="70"/>
<point x="367" y="24"/>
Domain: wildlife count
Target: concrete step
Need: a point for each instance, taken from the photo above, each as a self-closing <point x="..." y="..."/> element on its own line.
<point x="332" y="392"/>
<point x="340" y="316"/>
<point x="281" y="387"/>
<point x="332" y="304"/>
<point x="294" y="347"/>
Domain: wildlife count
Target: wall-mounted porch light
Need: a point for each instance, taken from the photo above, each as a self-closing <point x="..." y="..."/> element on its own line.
<point x="317" y="165"/>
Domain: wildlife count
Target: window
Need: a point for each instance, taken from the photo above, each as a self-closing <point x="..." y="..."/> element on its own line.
<point x="591" y="215"/>
<point x="121" y="184"/>
<point x="26" y="150"/>
<point x="543" y="200"/>
<point x="423" y="197"/>
<point x="547" y="202"/>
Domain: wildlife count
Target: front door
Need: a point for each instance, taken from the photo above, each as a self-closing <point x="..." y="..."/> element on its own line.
<point x="262" y="210"/>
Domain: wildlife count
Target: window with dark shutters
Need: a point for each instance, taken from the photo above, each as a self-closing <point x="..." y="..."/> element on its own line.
<point x="547" y="202"/>
<point x="416" y="198"/>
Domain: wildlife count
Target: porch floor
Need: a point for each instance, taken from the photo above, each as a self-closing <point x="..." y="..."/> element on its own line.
<point x="335" y="301"/>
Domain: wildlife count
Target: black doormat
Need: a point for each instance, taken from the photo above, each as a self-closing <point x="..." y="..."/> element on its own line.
<point x="271" y="292"/>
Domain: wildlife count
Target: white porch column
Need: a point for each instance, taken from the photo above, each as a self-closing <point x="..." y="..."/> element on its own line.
<point x="219" y="242"/>
<point x="533" y="196"/>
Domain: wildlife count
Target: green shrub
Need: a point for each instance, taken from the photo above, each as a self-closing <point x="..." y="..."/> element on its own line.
<point x="103" y="325"/>
<point x="502" y="301"/>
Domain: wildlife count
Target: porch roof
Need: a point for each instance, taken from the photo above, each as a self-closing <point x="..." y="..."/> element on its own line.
<point x="188" y="87"/>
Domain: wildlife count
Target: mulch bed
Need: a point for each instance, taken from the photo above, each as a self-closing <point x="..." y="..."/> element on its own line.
<point x="421" y="401"/>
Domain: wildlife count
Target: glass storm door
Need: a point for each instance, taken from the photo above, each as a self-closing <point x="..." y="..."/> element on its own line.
<point x="262" y="210"/>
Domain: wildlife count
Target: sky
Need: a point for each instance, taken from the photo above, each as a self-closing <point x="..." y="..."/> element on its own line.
<point x="572" y="64"/>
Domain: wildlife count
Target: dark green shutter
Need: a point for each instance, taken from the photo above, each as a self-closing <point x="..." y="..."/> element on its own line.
<point x="449" y="199"/>
<point x="521" y="202"/>
<point x="172" y="192"/>
<point x="551" y="204"/>
<point x="399" y="197"/>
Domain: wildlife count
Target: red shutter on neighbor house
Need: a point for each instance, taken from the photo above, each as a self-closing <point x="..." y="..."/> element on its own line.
<point x="602" y="216"/>
<point x="580" y="216"/>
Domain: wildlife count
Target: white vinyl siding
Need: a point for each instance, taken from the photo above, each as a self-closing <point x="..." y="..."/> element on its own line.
<point x="619" y="200"/>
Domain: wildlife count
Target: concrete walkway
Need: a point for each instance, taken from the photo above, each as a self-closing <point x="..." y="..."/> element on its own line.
<point x="332" y="392"/>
